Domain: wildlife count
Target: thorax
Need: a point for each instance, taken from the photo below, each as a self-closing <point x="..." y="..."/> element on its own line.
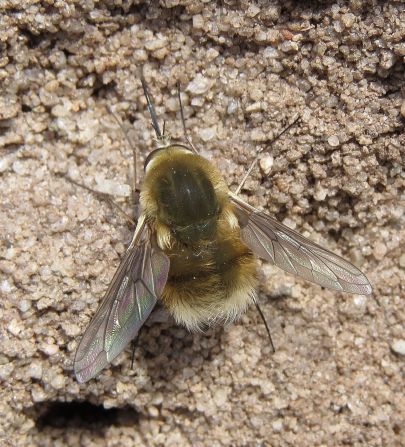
<point x="184" y="195"/>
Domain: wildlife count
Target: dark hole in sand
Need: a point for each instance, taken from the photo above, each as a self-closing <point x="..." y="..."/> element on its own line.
<point x="82" y="415"/>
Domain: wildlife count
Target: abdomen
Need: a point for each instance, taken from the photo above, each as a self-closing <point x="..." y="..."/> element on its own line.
<point x="215" y="282"/>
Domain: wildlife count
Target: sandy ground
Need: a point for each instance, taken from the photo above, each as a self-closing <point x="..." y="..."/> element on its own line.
<point x="246" y="69"/>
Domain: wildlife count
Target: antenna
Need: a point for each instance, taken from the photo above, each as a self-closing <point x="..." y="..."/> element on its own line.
<point x="151" y="109"/>
<point x="183" y="121"/>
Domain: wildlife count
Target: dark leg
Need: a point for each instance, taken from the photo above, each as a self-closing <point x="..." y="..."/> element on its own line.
<point x="266" y="325"/>
<point x="134" y="345"/>
<point x="256" y="159"/>
<point x="134" y="156"/>
<point x="103" y="196"/>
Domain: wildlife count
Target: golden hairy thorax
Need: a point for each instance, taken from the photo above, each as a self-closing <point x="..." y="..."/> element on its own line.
<point x="212" y="273"/>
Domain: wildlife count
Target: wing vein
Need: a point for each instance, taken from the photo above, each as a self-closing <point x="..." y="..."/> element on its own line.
<point x="119" y="318"/>
<point x="296" y="254"/>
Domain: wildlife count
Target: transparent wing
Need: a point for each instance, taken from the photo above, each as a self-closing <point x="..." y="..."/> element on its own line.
<point x="133" y="292"/>
<point x="284" y="247"/>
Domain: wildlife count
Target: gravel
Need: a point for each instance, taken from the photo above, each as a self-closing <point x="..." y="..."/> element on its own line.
<point x="246" y="70"/>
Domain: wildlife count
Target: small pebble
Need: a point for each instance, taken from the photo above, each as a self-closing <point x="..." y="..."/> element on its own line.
<point x="153" y="411"/>
<point x="348" y="19"/>
<point x="387" y="59"/>
<point x="24" y="305"/>
<point x="112" y="188"/>
<point x="198" y="21"/>
<point x="38" y="394"/>
<point x="208" y="133"/>
<point x="6" y="371"/>
<point x="289" y="46"/>
<point x="320" y="193"/>
<point x="255" y="107"/>
<point x="199" y="85"/>
<point x="5" y="287"/>
<point x="232" y="106"/>
<point x="365" y="140"/>
<point x="333" y="141"/>
<point x="360" y="300"/>
<point x="258" y="135"/>
<point x="197" y="102"/>
<point x="155" y="44"/>
<point x="9" y="107"/>
<point x="398" y="346"/>
<point x="270" y="53"/>
<point x="71" y="329"/>
<point x="14" y="327"/>
<point x="266" y="163"/>
<point x="380" y="250"/>
<point x="220" y="397"/>
<point x="19" y="167"/>
<point x="253" y="11"/>
<point x="58" y="382"/>
<point x="50" y="349"/>
<point x="35" y="370"/>
<point x="277" y="425"/>
<point x="338" y="26"/>
<point x="212" y="54"/>
<point x="5" y="162"/>
<point x="61" y="110"/>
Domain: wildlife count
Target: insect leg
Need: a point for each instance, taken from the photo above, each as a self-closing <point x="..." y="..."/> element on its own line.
<point x="134" y="345"/>
<point x="266" y="325"/>
<point x="102" y="195"/>
<point x="259" y="151"/>
<point x="135" y="190"/>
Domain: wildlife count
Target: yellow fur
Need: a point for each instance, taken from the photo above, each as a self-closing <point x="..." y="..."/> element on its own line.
<point x="211" y="280"/>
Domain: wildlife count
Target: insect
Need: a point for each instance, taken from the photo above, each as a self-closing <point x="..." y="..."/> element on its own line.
<point x="195" y="249"/>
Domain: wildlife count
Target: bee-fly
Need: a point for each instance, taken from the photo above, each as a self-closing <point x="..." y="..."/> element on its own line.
<point x="195" y="249"/>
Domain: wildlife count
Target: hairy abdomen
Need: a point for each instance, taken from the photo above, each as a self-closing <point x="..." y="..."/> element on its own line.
<point x="211" y="282"/>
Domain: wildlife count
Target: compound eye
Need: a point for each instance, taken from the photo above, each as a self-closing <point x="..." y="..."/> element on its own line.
<point x="151" y="155"/>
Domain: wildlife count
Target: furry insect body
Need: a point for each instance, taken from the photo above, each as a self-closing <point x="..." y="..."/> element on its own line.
<point x="194" y="248"/>
<point x="212" y="272"/>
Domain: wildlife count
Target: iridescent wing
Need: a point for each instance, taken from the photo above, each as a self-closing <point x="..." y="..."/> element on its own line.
<point x="133" y="292"/>
<point x="284" y="247"/>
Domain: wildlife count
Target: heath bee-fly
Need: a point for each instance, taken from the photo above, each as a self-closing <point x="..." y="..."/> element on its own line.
<point x="195" y="249"/>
